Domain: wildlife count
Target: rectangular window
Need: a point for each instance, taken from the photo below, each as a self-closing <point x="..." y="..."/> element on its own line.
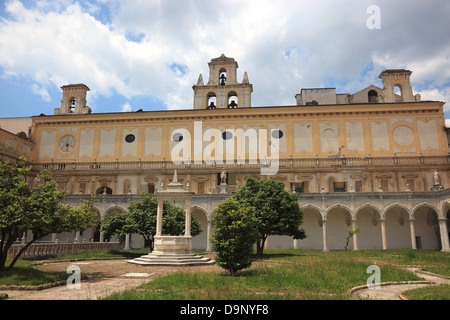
<point x="200" y="187"/>
<point x="384" y="183"/>
<point x="82" y="189"/>
<point x="410" y="182"/>
<point x="358" y="185"/>
<point x="151" y="188"/>
<point x="339" y="187"/>
<point x="299" y="187"/>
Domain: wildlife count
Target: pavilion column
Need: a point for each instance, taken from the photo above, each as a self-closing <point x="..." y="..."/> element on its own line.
<point x="355" y="235"/>
<point x="77" y="237"/>
<point x="159" y="216"/>
<point x="413" y="233"/>
<point x="383" y="233"/>
<point x="444" y="235"/>
<point x="208" y="236"/>
<point x="102" y="238"/>
<point x="324" y="235"/>
<point x="187" y="231"/>
<point x="127" y="242"/>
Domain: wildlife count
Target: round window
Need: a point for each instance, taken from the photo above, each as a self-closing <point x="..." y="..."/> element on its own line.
<point x="277" y="134"/>
<point x="130" y="138"/>
<point x="227" y="135"/>
<point x="177" y="137"/>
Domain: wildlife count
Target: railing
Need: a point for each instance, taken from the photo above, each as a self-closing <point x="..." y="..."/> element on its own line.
<point x="435" y="161"/>
<point x="44" y="250"/>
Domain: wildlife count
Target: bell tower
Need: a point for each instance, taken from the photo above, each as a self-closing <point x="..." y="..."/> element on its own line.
<point x="222" y="90"/>
<point x="74" y="100"/>
<point x="399" y="78"/>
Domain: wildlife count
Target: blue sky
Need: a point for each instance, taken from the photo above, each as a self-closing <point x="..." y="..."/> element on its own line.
<point x="138" y="54"/>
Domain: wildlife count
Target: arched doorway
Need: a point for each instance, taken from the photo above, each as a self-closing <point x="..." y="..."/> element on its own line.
<point x="312" y="224"/>
<point x="368" y="221"/>
<point x="427" y="233"/>
<point x="200" y="242"/>
<point x="339" y="222"/>
<point x="398" y="234"/>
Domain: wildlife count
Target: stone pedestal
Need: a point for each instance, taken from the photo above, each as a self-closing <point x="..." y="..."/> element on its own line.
<point x="223" y="189"/>
<point x="173" y="250"/>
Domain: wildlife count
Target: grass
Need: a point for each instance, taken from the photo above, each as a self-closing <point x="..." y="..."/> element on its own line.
<point x="440" y="292"/>
<point x="24" y="274"/>
<point x="300" y="274"/>
<point x="311" y="275"/>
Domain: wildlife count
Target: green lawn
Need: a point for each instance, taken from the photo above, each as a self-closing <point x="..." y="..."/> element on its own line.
<point x="301" y="274"/>
<point x="307" y="275"/>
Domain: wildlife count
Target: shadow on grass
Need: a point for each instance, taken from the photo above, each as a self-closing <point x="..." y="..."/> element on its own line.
<point x="28" y="276"/>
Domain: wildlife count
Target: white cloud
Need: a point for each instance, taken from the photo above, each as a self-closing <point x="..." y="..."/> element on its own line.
<point x="283" y="45"/>
<point x="127" y="107"/>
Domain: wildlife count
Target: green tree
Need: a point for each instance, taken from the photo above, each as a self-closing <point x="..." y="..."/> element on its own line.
<point x="276" y="210"/>
<point x="141" y="219"/>
<point x="38" y="210"/>
<point x="236" y="233"/>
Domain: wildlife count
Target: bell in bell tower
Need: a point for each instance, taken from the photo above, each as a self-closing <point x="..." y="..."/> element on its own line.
<point x="222" y="90"/>
<point x="74" y="100"/>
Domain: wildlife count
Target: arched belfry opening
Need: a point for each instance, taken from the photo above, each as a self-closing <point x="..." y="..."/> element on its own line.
<point x="397" y="85"/>
<point x="372" y="96"/>
<point x="222" y="91"/>
<point x="73" y="100"/>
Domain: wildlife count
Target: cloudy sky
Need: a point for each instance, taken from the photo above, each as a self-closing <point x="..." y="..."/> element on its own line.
<point x="147" y="54"/>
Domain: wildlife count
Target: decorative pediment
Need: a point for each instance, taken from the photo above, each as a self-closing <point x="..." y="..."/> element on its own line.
<point x="411" y="175"/>
<point x="384" y="176"/>
<point x="359" y="176"/>
<point x="305" y="177"/>
<point x="104" y="179"/>
<point x="200" y="178"/>
<point x="151" y="179"/>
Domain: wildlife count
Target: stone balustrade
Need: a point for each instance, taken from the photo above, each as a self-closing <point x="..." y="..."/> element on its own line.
<point x="54" y="249"/>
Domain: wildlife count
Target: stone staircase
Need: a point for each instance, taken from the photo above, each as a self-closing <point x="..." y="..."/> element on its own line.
<point x="164" y="259"/>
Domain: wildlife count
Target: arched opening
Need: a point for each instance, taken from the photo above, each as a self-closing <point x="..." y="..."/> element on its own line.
<point x="398" y="93"/>
<point x="232" y="100"/>
<point x="368" y="222"/>
<point x="427" y="230"/>
<point x="398" y="234"/>
<point x="200" y="242"/>
<point x="72" y="105"/>
<point x="107" y="215"/>
<point x="372" y="96"/>
<point x="312" y="224"/>
<point x="339" y="222"/>
<point x="104" y="190"/>
<point x="211" y="101"/>
<point x="222" y="77"/>
<point x="96" y="230"/>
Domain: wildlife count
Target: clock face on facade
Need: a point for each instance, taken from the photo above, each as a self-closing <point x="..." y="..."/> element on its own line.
<point x="67" y="143"/>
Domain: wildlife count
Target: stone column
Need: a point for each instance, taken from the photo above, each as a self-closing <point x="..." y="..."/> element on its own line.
<point x="383" y="233"/>
<point x="127" y="242"/>
<point x="413" y="233"/>
<point x="77" y="237"/>
<point x="444" y="235"/>
<point x="101" y="236"/>
<point x="355" y="236"/>
<point x="159" y="216"/>
<point x="208" y="236"/>
<point x="324" y="233"/>
<point x="53" y="237"/>
<point x="187" y="230"/>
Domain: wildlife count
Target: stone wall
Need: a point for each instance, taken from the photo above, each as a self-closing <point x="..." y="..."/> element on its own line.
<point x="45" y="250"/>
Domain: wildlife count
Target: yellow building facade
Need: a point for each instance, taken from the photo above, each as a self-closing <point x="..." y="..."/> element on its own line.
<point x="374" y="159"/>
